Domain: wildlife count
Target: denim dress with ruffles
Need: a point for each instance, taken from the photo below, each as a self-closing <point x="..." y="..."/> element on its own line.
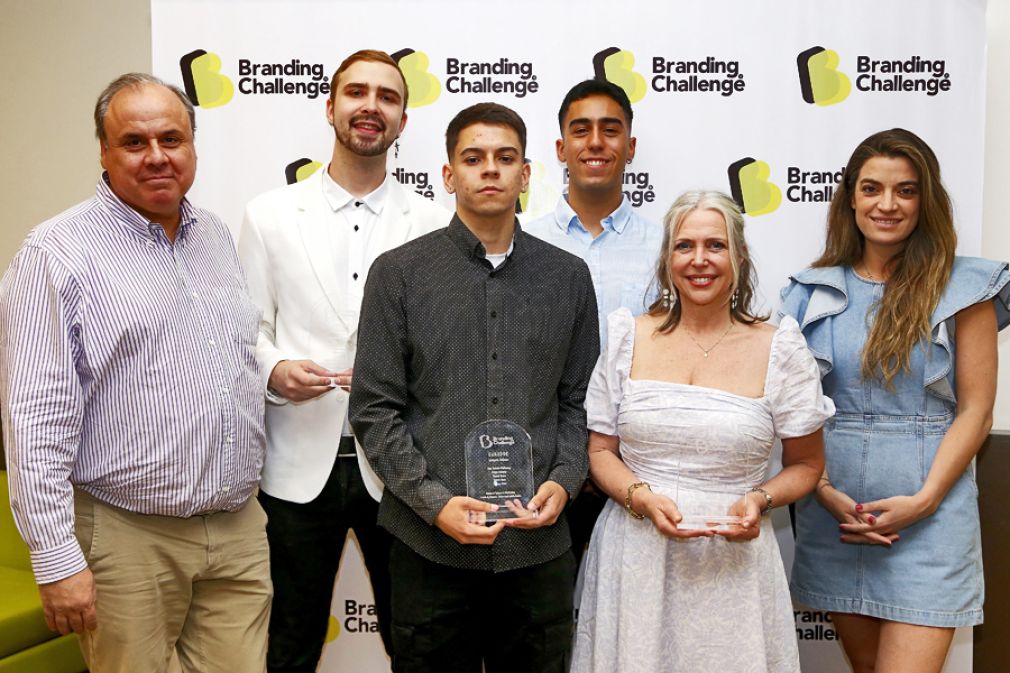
<point x="881" y="443"/>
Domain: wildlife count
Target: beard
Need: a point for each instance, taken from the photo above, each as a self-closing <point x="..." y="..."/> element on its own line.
<point x="365" y="148"/>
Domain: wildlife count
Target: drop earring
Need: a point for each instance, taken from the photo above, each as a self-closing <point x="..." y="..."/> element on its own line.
<point x="669" y="299"/>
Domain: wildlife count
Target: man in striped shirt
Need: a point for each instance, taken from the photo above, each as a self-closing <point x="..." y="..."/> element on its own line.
<point x="132" y="410"/>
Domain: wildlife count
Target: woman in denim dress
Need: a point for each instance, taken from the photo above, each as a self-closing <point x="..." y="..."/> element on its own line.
<point x="889" y="542"/>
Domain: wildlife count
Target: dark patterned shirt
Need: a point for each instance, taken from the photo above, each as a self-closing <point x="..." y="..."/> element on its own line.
<point x="446" y="342"/>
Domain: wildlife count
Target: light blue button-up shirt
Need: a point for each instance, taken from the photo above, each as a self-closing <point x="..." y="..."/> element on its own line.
<point x="622" y="259"/>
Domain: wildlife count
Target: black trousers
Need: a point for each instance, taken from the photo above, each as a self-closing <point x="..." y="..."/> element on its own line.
<point x="449" y="620"/>
<point x="305" y="545"/>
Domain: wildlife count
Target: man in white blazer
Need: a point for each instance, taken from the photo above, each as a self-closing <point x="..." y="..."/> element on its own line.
<point x="306" y="249"/>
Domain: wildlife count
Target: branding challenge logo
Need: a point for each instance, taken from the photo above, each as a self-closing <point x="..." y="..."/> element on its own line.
<point x="751" y="188"/>
<point x="423" y="86"/>
<point x="915" y="73"/>
<point x="208" y="87"/>
<point x="300" y="169"/>
<point x="502" y="76"/>
<point x="419" y="181"/>
<point x="814" y="625"/>
<point x="359" y="617"/>
<point x="757" y="195"/>
<point x="617" y="66"/>
<point x="203" y="81"/>
<point x="491" y="441"/>
<point x="822" y="83"/>
<point x="811" y="186"/>
<point x="708" y="75"/>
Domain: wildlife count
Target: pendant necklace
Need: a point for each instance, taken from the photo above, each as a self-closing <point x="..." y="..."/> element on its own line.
<point x="711" y="348"/>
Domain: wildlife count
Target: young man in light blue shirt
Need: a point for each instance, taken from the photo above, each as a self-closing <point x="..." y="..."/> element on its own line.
<point x="595" y="220"/>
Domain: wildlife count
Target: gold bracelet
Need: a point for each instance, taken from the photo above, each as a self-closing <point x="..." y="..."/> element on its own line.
<point x="766" y="494"/>
<point x="627" y="498"/>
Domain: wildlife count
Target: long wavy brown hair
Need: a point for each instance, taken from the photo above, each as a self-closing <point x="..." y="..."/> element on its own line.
<point x="918" y="274"/>
<point x="739" y="254"/>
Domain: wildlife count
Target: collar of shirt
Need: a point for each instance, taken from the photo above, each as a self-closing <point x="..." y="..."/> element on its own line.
<point x="136" y="223"/>
<point x="565" y="216"/>
<point x="339" y="198"/>
<point x="470" y="245"/>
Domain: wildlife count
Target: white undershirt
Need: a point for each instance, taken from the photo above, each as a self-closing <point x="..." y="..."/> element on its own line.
<point x="499" y="259"/>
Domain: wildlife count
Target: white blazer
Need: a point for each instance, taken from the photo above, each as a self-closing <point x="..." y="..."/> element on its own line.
<point x="285" y="248"/>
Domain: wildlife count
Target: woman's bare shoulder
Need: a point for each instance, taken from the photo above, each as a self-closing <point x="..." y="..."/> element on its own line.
<point x="647" y="325"/>
<point x="754" y="339"/>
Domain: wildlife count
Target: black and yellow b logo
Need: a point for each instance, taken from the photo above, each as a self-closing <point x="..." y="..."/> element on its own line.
<point x="821" y="82"/>
<point x="299" y="169"/>
<point x="202" y="78"/>
<point x="751" y="188"/>
<point x="616" y="66"/>
<point x="424" y="87"/>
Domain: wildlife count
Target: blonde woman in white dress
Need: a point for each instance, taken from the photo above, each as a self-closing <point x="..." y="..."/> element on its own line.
<point x="683" y="409"/>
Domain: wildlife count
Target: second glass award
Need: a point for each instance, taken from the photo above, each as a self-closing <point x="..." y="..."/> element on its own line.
<point x="499" y="466"/>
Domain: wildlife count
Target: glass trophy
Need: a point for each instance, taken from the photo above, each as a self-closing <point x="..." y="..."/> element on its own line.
<point x="708" y="481"/>
<point x="499" y="467"/>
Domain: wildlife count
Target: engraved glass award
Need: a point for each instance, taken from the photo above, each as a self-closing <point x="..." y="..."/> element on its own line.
<point x="711" y="475"/>
<point x="499" y="466"/>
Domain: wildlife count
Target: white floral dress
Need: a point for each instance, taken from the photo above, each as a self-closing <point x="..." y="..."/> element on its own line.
<point x="653" y="604"/>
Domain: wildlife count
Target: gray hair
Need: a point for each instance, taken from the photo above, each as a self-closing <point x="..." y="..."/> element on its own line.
<point x="136" y="80"/>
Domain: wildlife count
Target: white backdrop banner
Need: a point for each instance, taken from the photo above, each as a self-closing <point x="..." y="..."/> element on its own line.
<point x="763" y="99"/>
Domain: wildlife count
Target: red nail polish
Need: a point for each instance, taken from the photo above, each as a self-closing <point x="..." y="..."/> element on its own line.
<point x="872" y="519"/>
<point x="859" y="508"/>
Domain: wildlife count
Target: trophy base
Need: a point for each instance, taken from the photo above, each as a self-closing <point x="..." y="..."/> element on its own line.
<point x="488" y="518"/>
<point x="702" y="522"/>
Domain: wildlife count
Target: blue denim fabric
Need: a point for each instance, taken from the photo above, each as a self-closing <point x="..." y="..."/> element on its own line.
<point x="882" y="443"/>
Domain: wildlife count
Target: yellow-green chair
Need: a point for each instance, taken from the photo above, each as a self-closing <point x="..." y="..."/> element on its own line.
<point x="26" y="644"/>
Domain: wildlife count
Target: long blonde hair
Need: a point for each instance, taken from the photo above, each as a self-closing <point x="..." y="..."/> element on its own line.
<point x="918" y="274"/>
<point x="739" y="255"/>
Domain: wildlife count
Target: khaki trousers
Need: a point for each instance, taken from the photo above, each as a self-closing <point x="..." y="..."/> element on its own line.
<point x="197" y="587"/>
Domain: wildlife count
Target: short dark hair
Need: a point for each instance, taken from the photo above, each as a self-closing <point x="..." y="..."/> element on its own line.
<point x="374" y="56"/>
<point x="136" y="80"/>
<point x="595" y="87"/>
<point x="484" y="113"/>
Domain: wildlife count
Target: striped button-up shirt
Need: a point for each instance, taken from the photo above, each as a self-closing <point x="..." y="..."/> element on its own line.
<point x="127" y="369"/>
